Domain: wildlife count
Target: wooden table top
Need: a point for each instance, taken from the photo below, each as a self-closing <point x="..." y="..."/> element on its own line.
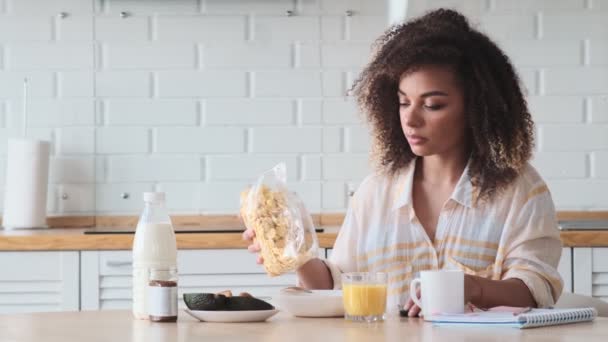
<point x="93" y="326"/>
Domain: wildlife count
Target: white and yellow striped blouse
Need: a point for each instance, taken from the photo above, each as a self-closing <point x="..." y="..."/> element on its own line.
<point x="513" y="236"/>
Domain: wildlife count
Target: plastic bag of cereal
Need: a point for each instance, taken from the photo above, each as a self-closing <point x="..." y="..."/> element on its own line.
<point x="282" y="225"/>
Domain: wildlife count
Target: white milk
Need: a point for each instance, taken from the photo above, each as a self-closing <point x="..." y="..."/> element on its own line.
<point x="154" y="246"/>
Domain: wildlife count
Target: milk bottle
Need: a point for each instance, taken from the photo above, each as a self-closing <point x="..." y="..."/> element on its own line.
<point x="154" y="246"/>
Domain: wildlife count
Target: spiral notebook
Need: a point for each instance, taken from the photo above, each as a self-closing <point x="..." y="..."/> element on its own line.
<point x="530" y="319"/>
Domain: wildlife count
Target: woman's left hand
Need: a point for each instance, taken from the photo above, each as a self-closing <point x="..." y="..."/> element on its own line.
<point x="412" y="309"/>
<point x="472" y="290"/>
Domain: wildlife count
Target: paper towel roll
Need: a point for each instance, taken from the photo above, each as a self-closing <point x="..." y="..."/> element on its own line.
<point x="27" y="173"/>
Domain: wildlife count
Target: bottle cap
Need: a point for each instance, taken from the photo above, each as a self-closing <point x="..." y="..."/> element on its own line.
<point x="154" y="197"/>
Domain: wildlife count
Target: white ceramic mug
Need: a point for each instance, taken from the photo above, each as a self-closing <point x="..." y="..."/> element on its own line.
<point x="441" y="291"/>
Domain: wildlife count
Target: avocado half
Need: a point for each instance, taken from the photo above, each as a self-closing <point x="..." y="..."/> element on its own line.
<point x="218" y="302"/>
<point x="204" y="301"/>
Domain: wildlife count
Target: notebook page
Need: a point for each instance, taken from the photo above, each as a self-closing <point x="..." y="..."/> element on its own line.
<point x="536" y="317"/>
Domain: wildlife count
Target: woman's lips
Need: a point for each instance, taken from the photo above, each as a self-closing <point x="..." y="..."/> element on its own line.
<point x="416" y="139"/>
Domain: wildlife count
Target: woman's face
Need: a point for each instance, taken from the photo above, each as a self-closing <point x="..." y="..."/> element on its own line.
<point x="431" y="109"/>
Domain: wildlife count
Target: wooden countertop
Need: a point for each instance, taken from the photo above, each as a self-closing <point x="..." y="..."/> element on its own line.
<point x="62" y="239"/>
<point x="93" y="326"/>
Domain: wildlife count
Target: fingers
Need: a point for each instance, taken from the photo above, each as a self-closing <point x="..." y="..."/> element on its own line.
<point x="413" y="311"/>
<point x="254" y="247"/>
<point x="408" y="304"/>
<point x="249" y="234"/>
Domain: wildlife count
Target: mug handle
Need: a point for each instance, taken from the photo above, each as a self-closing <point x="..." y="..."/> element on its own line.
<point x="413" y="295"/>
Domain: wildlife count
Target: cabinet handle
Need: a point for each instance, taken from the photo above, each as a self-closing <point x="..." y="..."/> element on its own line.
<point x="118" y="263"/>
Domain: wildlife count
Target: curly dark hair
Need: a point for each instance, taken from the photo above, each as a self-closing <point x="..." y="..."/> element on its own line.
<point x="500" y="130"/>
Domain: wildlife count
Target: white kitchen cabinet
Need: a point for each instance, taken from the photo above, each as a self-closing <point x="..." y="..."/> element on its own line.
<point x="39" y="281"/>
<point x="106" y="276"/>
<point x="590" y="272"/>
<point x="565" y="268"/>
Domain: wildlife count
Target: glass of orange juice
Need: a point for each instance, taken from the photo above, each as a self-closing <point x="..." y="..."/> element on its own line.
<point x="364" y="296"/>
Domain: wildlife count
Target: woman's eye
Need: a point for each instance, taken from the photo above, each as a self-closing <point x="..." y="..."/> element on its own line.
<point x="403" y="104"/>
<point x="433" y="107"/>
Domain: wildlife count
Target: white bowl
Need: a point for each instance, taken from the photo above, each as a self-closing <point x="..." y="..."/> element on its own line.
<point x="319" y="303"/>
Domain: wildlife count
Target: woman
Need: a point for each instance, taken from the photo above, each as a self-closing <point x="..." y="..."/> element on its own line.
<point x="453" y="189"/>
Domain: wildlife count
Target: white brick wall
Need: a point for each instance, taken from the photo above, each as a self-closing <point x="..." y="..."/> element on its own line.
<point x="115" y="29"/>
<point x="72" y="170"/>
<point x="40" y="84"/>
<point x="200" y="28"/>
<point x="339" y="55"/>
<point x="252" y="55"/>
<point x="109" y="197"/>
<point x="153" y="169"/>
<point x="311" y="168"/>
<point x="598" y="52"/>
<point x="221" y="197"/>
<point x="196" y="97"/>
<point x="199" y="140"/>
<point x="292" y="28"/>
<point x="25" y="7"/>
<point x="182" y="197"/>
<point x="357" y="139"/>
<point x="79" y="140"/>
<point x="288" y="84"/>
<point x="599" y="109"/>
<point x="345" y="167"/>
<point x="237" y="167"/>
<point x="588" y="80"/>
<point x="122" y="140"/>
<point x="553" y="166"/>
<point x="504" y="27"/>
<point x="286" y="139"/>
<point x="80" y="198"/>
<point x="131" y="112"/>
<point x="575" y="25"/>
<point x="146" y="56"/>
<point x="201" y="84"/>
<point x="123" y="84"/>
<point x="27" y="56"/>
<point x="574" y="137"/>
<point x="26" y="28"/>
<point x="249" y="112"/>
<point x="600" y="164"/>
<point x="74" y="29"/>
<point x="75" y="84"/>
<point x="557" y="109"/>
<point x="334" y="194"/>
<point x="539" y="5"/>
<point x="544" y="53"/>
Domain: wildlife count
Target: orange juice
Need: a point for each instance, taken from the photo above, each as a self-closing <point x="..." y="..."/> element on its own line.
<point x="364" y="299"/>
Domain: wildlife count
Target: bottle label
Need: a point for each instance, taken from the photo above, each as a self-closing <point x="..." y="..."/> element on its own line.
<point x="162" y="301"/>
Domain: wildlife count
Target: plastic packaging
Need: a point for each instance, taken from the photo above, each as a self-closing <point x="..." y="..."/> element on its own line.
<point x="283" y="227"/>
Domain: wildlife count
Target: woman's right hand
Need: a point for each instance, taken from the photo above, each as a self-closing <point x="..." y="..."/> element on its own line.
<point x="254" y="246"/>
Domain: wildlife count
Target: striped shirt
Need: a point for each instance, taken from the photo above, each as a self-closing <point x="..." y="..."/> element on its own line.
<point x="513" y="236"/>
